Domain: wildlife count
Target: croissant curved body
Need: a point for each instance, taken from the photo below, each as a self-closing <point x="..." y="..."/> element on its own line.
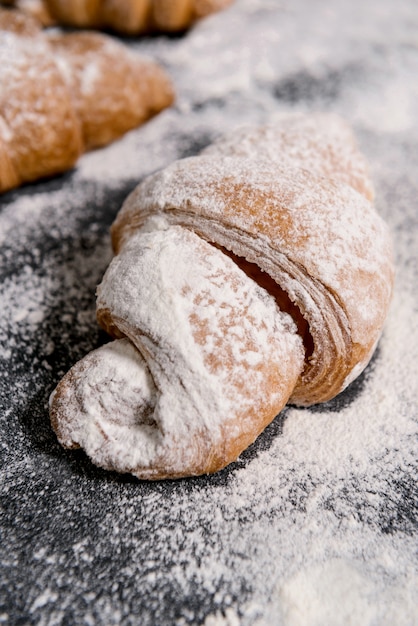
<point x="62" y="94"/>
<point x="248" y="276"/>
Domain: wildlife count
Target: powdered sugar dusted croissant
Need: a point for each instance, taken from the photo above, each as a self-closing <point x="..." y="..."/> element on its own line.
<point x="245" y="277"/>
<point x="133" y="16"/>
<point x="62" y="94"/>
<point x="218" y="357"/>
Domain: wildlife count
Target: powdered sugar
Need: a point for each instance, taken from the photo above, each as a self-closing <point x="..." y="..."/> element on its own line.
<point x="203" y="328"/>
<point x="318" y="519"/>
<point x="321" y="242"/>
<point x="341" y="238"/>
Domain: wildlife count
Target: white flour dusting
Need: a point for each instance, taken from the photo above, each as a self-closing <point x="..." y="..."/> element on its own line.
<point x="314" y="525"/>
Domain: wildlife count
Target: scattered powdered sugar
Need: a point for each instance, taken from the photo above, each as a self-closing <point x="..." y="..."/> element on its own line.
<point x="203" y="328"/>
<point x="316" y="523"/>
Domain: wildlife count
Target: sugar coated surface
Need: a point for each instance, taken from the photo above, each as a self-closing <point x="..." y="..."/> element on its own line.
<point x="316" y="523"/>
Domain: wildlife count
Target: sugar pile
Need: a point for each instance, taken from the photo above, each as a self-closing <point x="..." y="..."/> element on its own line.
<point x="317" y="522"/>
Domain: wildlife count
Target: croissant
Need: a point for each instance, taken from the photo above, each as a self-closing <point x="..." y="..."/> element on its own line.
<point x="130" y="17"/>
<point x="254" y="274"/>
<point x="63" y="94"/>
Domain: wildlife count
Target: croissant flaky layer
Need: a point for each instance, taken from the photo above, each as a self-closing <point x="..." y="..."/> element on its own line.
<point x="254" y="274"/>
<point x="62" y="94"/>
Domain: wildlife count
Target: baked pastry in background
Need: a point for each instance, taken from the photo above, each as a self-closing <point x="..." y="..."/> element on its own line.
<point x="254" y="274"/>
<point x="33" y="8"/>
<point x="64" y="93"/>
<point x="129" y="17"/>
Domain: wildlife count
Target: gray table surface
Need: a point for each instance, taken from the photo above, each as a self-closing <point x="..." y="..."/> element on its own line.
<point x="315" y="524"/>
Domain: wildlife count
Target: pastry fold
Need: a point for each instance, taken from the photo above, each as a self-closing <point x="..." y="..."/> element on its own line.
<point x="220" y="357"/>
<point x="254" y="274"/>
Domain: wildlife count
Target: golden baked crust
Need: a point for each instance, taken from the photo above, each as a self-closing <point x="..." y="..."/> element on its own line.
<point x="39" y="128"/>
<point x="241" y="281"/>
<point x="133" y="16"/>
<point x="113" y="89"/>
<point x="62" y="94"/>
<point x="321" y="143"/>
